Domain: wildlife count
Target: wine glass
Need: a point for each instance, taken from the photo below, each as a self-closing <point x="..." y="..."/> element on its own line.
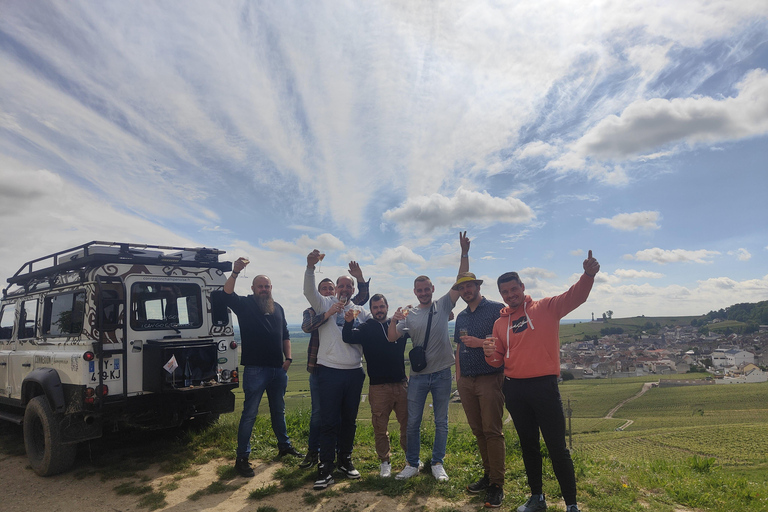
<point x="405" y="311"/>
<point x="320" y="262"/>
<point x="491" y="340"/>
<point x="463" y="332"/>
<point x="246" y="260"/>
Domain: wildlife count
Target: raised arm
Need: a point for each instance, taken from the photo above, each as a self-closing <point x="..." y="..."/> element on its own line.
<point x="310" y="290"/>
<point x="463" y="262"/>
<point x="392" y="334"/>
<point x="237" y="266"/>
<point x="362" y="285"/>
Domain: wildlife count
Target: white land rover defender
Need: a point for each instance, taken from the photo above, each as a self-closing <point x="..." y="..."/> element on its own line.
<point x="113" y="334"/>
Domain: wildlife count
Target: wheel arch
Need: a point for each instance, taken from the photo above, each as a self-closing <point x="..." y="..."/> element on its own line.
<point x="44" y="381"/>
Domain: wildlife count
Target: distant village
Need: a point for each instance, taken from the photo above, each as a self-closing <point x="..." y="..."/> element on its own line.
<point x="728" y="359"/>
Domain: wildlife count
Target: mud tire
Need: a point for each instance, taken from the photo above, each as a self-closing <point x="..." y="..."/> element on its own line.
<point x="42" y="438"/>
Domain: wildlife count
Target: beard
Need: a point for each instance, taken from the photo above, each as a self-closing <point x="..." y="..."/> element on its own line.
<point x="265" y="303"/>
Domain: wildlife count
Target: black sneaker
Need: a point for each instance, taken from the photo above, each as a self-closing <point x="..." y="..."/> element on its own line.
<point x="310" y="460"/>
<point x="289" y="451"/>
<point x="346" y="467"/>
<point x="324" y="478"/>
<point x="493" y="496"/>
<point x="480" y="485"/>
<point x="572" y="508"/>
<point x="243" y="467"/>
<point x="535" y="503"/>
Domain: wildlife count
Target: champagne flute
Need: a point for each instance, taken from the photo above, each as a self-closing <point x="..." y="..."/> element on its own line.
<point x="246" y="260"/>
<point x="463" y="332"/>
<point x="405" y="311"/>
<point x="491" y="340"/>
<point x="320" y="262"/>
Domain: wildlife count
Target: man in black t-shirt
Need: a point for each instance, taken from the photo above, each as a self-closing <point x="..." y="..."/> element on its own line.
<point x="388" y="388"/>
<point x="266" y="356"/>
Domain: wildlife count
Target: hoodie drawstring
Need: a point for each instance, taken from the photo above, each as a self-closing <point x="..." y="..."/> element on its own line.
<point x="525" y="310"/>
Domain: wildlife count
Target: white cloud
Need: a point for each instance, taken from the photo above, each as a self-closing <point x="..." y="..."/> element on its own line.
<point x="662" y="256"/>
<point x="536" y="149"/>
<point x="631" y="221"/>
<point x="466" y="208"/>
<point x="42" y="213"/>
<point x="647" y="125"/>
<point x="577" y="252"/>
<point x="741" y="254"/>
<point x="537" y="273"/>
<point x="623" y="273"/>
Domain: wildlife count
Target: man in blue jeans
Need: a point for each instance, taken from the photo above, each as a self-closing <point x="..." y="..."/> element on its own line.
<point x="310" y="324"/>
<point x="266" y="357"/>
<point x="340" y="376"/>
<point x="436" y="377"/>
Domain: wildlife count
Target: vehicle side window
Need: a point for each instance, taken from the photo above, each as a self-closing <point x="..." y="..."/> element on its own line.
<point x="6" y="321"/>
<point x="63" y="314"/>
<point x="28" y="319"/>
<point x="219" y="310"/>
<point x="166" y="306"/>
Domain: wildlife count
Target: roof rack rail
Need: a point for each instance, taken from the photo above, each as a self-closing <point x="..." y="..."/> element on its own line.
<point x="100" y="252"/>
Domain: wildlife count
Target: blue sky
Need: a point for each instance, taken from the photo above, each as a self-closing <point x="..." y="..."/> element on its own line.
<point x="376" y="131"/>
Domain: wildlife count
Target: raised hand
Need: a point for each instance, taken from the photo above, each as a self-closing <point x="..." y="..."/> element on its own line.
<point x="356" y="272"/>
<point x="464" y="242"/>
<point x="591" y="266"/>
<point x="239" y="264"/>
<point x="313" y="258"/>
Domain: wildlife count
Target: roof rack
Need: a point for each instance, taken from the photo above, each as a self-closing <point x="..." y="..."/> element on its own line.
<point x="98" y="252"/>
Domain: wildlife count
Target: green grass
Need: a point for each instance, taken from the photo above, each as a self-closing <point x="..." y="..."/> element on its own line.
<point x="700" y="447"/>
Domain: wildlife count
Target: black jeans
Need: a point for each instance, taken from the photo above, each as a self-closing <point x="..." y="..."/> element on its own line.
<point x="339" y="400"/>
<point x="534" y="405"/>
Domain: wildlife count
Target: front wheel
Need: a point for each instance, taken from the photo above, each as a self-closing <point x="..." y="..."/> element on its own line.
<point x="42" y="439"/>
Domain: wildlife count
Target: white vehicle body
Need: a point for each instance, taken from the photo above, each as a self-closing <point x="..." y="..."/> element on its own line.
<point x="113" y="333"/>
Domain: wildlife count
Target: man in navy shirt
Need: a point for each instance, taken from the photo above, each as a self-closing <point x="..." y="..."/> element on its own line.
<point x="266" y="356"/>
<point x="480" y="385"/>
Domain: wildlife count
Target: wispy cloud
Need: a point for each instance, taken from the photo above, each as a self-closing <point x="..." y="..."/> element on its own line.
<point x="631" y="221"/>
<point x="304" y="244"/>
<point x="662" y="256"/>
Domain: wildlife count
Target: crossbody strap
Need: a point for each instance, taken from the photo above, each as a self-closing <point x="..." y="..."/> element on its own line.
<point x="429" y="326"/>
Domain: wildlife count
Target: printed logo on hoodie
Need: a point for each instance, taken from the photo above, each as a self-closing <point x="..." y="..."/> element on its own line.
<point x="519" y="325"/>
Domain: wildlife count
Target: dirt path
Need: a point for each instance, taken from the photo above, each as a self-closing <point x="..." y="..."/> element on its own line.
<point x="646" y="387"/>
<point x="24" y="491"/>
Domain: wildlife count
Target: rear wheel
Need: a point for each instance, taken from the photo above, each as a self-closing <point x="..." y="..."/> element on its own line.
<point x="42" y="439"/>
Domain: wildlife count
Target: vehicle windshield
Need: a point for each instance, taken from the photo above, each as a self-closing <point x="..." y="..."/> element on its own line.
<point x="161" y="305"/>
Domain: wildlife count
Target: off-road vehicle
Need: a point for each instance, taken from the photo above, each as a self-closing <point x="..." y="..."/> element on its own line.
<point x="110" y="334"/>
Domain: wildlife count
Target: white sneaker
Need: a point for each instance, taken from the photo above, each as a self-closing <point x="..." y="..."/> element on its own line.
<point x="386" y="470"/>
<point x="438" y="471"/>
<point x="407" y="473"/>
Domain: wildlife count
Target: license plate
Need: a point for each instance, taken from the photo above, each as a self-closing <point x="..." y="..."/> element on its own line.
<point x="110" y="370"/>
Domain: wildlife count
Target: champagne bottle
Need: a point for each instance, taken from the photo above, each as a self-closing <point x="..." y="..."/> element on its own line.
<point x="187" y="374"/>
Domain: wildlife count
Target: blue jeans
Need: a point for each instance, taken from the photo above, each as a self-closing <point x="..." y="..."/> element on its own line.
<point x="339" y="402"/>
<point x="419" y="386"/>
<point x="256" y="380"/>
<point x="314" y="419"/>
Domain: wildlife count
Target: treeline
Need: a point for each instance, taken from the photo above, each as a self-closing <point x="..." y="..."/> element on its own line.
<point x="752" y="314"/>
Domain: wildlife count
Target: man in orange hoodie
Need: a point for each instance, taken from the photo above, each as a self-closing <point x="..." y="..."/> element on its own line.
<point x="528" y="345"/>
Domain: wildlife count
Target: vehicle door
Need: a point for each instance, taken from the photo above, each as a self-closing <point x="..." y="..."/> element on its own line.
<point x="161" y="308"/>
<point x="20" y="359"/>
<point x="7" y="344"/>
